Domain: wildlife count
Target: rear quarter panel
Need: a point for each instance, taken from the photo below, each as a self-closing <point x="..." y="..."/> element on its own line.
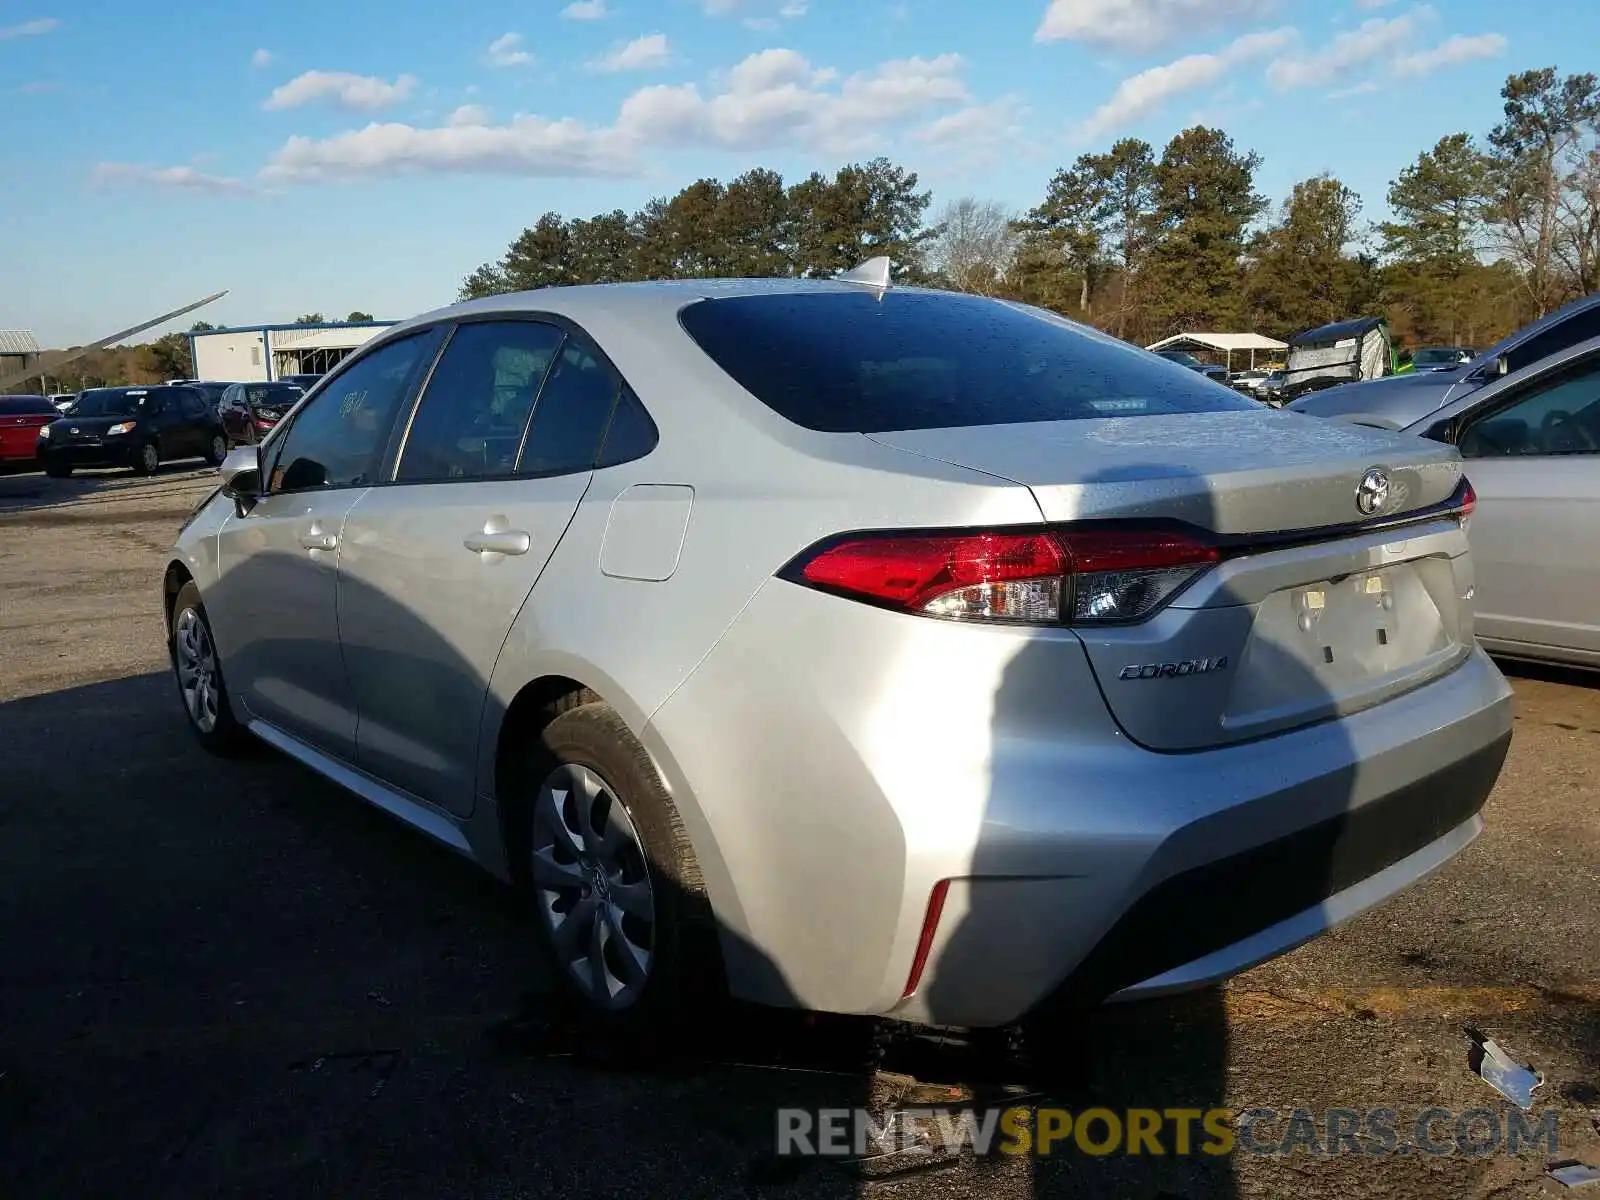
<point x="763" y="491"/>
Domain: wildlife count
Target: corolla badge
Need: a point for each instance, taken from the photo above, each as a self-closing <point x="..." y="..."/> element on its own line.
<point x="1372" y="492"/>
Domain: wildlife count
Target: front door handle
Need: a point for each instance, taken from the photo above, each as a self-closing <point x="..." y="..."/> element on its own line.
<point x="499" y="541"/>
<point x="319" y="541"/>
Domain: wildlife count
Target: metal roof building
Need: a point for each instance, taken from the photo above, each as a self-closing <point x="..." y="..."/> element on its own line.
<point x="19" y="350"/>
<point x="1225" y="344"/>
<point x="252" y="353"/>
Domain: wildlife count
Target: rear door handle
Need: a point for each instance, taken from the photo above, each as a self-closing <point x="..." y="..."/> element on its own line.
<point x="501" y="541"/>
<point x="320" y="541"/>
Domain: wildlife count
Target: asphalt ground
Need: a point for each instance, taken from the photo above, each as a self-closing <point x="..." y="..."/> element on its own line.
<point x="231" y="979"/>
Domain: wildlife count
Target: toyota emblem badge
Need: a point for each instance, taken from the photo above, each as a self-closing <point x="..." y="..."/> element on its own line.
<point x="1372" y="493"/>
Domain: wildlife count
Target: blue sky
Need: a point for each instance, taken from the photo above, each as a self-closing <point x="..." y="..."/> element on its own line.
<point x="367" y="155"/>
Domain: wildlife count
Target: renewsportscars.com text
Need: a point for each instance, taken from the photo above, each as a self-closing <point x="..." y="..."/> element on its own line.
<point x="858" y="1132"/>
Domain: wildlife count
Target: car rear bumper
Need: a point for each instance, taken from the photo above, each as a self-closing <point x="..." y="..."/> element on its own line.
<point x="835" y="764"/>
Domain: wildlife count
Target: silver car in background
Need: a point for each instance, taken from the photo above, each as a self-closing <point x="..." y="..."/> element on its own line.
<point x="856" y="648"/>
<point x="1402" y="400"/>
<point x="1532" y="443"/>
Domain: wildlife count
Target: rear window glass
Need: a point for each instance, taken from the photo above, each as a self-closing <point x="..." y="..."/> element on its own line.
<point x="855" y="362"/>
<point x="16" y="406"/>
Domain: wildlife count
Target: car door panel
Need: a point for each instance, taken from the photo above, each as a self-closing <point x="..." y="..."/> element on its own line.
<point x="275" y="608"/>
<point x="1531" y="442"/>
<point x="1533" y="584"/>
<point x="424" y="616"/>
<point x="439" y="562"/>
<point x="275" y="615"/>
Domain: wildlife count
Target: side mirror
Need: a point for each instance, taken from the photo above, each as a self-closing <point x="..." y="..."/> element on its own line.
<point x="241" y="477"/>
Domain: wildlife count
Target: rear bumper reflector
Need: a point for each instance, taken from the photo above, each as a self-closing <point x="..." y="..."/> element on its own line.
<point x="930" y="925"/>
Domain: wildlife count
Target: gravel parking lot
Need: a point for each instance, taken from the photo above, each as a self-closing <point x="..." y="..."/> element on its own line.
<point x="232" y="979"/>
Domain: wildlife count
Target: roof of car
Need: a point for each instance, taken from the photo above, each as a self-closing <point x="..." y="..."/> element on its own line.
<point x="654" y="297"/>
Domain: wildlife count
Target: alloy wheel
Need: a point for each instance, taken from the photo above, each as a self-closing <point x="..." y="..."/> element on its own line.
<point x="195" y="660"/>
<point x="150" y="456"/>
<point x="593" y="885"/>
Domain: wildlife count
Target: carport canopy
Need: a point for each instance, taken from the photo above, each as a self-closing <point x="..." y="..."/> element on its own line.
<point x="1225" y="344"/>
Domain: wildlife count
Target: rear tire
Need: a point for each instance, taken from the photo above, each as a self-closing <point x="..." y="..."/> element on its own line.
<point x="618" y="901"/>
<point x="218" y="450"/>
<point x="147" y="460"/>
<point x="197" y="671"/>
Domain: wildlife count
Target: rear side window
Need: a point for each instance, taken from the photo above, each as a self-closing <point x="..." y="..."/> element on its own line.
<point x="573" y="411"/>
<point x="855" y="362"/>
<point x="470" y="421"/>
<point x="632" y="433"/>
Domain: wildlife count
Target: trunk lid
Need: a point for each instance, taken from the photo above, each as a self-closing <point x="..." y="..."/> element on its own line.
<point x="1254" y="471"/>
<point x="19" y="433"/>
<point x="1313" y="613"/>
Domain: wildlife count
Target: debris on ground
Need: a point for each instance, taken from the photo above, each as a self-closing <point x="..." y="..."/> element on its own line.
<point x="1574" y="1174"/>
<point x="1490" y="1062"/>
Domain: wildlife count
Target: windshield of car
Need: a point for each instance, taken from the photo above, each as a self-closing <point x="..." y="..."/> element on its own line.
<point x="108" y="402"/>
<point x="1179" y="356"/>
<point x="861" y="362"/>
<point x="1559" y="335"/>
<point x="282" y="394"/>
<point x="1436" y="356"/>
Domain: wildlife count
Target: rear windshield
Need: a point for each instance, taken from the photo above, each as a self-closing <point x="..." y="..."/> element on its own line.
<point x="855" y="362"/>
<point x="16" y="406"/>
<point x="273" y="393"/>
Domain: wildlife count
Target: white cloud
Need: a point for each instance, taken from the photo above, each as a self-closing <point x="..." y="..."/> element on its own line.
<point x="757" y="14"/>
<point x="1365" y="88"/>
<point x="770" y="100"/>
<point x="651" y="50"/>
<point x="261" y="58"/>
<point x="1374" y="38"/>
<point x="506" y="51"/>
<point x="360" y="92"/>
<point x="978" y="137"/>
<point x="180" y="179"/>
<point x="528" y="146"/>
<point x="776" y="98"/>
<point x="33" y="28"/>
<point x="1144" y="93"/>
<point x="1143" y="24"/>
<point x="1458" y="49"/>
<point x="586" y="10"/>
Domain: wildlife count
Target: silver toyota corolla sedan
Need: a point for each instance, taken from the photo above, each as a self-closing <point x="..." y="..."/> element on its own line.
<point x="859" y="648"/>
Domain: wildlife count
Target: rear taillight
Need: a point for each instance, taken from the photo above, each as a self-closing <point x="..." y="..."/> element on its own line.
<point x="1469" y="498"/>
<point x="1094" y="576"/>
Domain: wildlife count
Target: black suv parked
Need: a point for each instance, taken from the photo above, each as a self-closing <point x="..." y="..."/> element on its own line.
<point x="137" y="427"/>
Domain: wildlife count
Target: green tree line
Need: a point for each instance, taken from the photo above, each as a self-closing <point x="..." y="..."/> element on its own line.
<point x="1486" y="232"/>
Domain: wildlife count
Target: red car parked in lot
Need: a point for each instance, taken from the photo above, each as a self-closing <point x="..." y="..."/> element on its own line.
<point x="250" y="410"/>
<point x="21" y="418"/>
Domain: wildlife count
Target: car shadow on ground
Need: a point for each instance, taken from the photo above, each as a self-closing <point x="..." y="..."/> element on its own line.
<point x="29" y="491"/>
